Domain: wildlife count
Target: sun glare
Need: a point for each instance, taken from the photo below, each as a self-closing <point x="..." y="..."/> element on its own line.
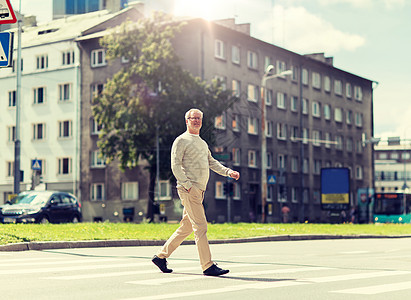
<point x="196" y="8"/>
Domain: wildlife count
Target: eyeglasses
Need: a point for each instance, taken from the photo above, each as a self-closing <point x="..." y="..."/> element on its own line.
<point x="195" y="118"/>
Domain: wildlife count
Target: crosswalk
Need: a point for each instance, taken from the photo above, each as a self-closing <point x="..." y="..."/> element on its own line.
<point x="134" y="274"/>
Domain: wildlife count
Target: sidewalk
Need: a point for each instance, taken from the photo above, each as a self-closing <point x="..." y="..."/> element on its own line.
<point x="135" y="243"/>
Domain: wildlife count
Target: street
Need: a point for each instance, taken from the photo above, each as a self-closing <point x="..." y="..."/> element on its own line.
<point x="320" y="269"/>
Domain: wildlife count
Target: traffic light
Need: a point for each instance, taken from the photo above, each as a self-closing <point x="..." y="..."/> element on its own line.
<point x="225" y="187"/>
<point x="230" y="188"/>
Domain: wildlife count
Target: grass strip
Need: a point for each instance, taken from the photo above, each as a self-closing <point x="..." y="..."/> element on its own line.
<point x="15" y="233"/>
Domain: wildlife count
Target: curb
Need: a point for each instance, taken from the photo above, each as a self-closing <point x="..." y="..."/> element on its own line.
<point x="136" y="243"/>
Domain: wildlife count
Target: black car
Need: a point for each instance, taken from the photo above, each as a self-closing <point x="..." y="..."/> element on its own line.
<point x="41" y="207"/>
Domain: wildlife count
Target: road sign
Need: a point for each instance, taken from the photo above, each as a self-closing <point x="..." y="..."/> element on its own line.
<point x="6" y="49"/>
<point x="272" y="179"/>
<point x="36" y="164"/>
<point x="7" y="15"/>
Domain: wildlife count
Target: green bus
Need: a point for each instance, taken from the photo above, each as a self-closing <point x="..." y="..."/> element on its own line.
<point x="392" y="208"/>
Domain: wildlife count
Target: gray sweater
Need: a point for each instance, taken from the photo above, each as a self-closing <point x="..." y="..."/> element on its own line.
<point x="191" y="162"/>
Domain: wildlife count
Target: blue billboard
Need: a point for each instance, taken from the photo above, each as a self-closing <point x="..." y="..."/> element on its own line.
<point x="335" y="188"/>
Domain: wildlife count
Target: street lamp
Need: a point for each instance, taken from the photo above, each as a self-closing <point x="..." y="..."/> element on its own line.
<point x="267" y="75"/>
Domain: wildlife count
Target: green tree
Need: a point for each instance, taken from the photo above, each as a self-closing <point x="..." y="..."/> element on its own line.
<point x="151" y="94"/>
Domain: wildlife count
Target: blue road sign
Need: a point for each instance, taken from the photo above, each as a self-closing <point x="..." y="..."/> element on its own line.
<point x="6" y="49"/>
<point x="272" y="179"/>
<point x="36" y="164"/>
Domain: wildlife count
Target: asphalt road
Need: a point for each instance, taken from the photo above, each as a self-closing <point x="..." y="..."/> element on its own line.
<point x="317" y="269"/>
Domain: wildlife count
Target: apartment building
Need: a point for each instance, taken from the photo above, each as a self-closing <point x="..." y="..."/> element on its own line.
<point x="315" y="119"/>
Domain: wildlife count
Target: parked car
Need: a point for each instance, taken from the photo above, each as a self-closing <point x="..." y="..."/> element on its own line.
<point x="41" y="207"/>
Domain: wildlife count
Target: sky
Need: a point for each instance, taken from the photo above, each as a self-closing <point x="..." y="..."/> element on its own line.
<point x="369" y="38"/>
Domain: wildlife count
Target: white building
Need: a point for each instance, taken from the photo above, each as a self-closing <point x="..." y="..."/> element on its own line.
<point x="49" y="104"/>
<point x="392" y="167"/>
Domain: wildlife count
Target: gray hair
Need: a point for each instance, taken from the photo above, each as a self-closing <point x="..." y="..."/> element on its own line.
<point x="193" y="110"/>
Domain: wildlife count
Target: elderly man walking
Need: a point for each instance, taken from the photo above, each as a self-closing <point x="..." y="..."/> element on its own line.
<point x="191" y="162"/>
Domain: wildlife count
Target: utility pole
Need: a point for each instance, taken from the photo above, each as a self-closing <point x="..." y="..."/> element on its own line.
<point x="17" y="150"/>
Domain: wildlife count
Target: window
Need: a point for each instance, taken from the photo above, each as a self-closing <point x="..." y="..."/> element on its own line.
<point x="236" y="123"/>
<point x="219" y="190"/>
<point x="219" y="121"/>
<point x="268" y="128"/>
<point x="252" y="126"/>
<point x="305" y="135"/>
<point x="129" y="190"/>
<point x="306" y="165"/>
<point x="42" y="62"/>
<point x="316" y="138"/>
<point x="252" y="93"/>
<point x="358" y="93"/>
<point x="39" y="95"/>
<point x="349" y="144"/>
<point x="64" y="166"/>
<point x="268" y="161"/>
<point x="10" y="169"/>
<point x="338" y="87"/>
<point x="316" y="80"/>
<point x="235" y="54"/>
<point x="236" y="87"/>
<point x="39" y="131"/>
<point x="327" y="112"/>
<point x="222" y="80"/>
<point x="339" y="140"/>
<point x="338" y="115"/>
<point x="65" y="129"/>
<point x="305" y="106"/>
<point x="96" y="161"/>
<point x="219" y="50"/>
<point x="358" y="119"/>
<point x="97" y="192"/>
<point x="96" y="90"/>
<point x="236" y="156"/>
<point x="294" y="193"/>
<point x="13" y="68"/>
<point x="68" y="57"/>
<point x="11" y="133"/>
<point x="358" y="172"/>
<point x="267" y="62"/>
<point x="98" y="58"/>
<point x="165" y="190"/>
<point x="281" y="163"/>
<point x="12" y="98"/>
<point x="281" y="131"/>
<point x="295" y="135"/>
<point x="294" y="103"/>
<point x="268" y="97"/>
<point x="305" y="77"/>
<point x="348" y="117"/>
<point x="236" y="191"/>
<point x="294" y="76"/>
<point x="280" y="66"/>
<point x="294" y="164"/>
<point x="317" y="167"/>
<point x="252" y="60"/>
<point x="327" y="84"/>
<point x="252" y="159"/>
<point x="95" y="127"/>
<point x="348" y="90"/>
<point x="328" y="139"/>
<point x="65" y="92"/>
<point x="281" y="100"/>
<point x="316" y="111"/>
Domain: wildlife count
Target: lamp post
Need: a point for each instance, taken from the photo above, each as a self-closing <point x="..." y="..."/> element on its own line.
<point x="267" y="75"/>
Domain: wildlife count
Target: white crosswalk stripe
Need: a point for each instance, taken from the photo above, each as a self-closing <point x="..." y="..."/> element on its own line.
<point x="378" y="289"/>
<point x="250" y="273"/>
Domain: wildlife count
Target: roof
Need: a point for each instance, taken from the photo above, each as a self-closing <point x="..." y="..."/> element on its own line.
<point x="68" y="28"/>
